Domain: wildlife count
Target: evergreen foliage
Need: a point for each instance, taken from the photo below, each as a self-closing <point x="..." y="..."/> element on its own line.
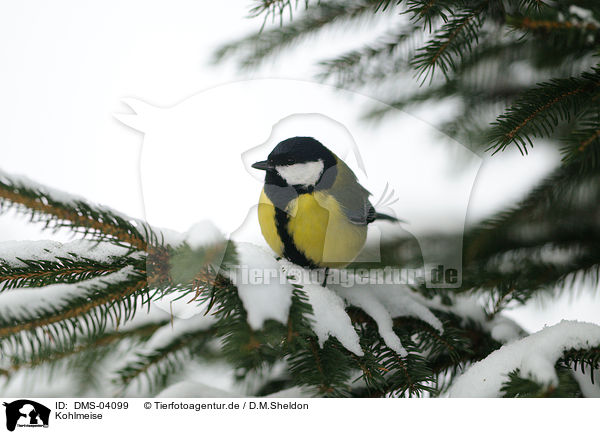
<point x="522" y="71"/>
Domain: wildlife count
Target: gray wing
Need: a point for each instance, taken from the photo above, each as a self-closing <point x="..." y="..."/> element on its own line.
<point x="353" y="197"/>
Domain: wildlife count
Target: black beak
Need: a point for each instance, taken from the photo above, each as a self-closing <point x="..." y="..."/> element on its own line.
<point x="262" y="165"/>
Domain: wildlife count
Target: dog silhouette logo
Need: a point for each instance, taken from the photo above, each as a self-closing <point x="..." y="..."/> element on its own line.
<point x="26" y="413"/>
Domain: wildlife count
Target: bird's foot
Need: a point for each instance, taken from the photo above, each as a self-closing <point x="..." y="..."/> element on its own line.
<point x="324" y="284"/>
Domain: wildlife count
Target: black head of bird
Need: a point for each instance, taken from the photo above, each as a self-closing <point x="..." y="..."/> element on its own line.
<point x="300" y="162"/>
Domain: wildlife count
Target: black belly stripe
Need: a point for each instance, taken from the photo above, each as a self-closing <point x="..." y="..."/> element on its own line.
<point x="290" y="251"/>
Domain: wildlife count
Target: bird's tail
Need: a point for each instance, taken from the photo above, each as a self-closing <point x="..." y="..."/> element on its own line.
<point x="382" y="216"/>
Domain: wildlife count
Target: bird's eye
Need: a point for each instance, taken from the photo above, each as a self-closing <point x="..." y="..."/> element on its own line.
<point x="290" y="161"/>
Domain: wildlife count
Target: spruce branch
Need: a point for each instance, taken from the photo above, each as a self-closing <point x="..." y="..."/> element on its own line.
<point x="567" y="387"/>
<point x="450" y="43"/>
<point x="561" y="192"/>
<point x="387" y="374"/>
<point x="113" y="298"/>
<point x="57" y="209"/>
<point x="562" y="29"/>
<point x="353" y="66"/>
<point x="328" y="369"/>
<point x="538" y="111"/>
<point x="505" y="256"/>
<point x="550" y="25"/>
<point x="430" y="10"/>
<point x="591" y="137"/>
<point x="582" y="144"/>
<point x="54" y="354"/>
<point x="274" y="9"/>
<point x="252" y="50"/>
<point x="519" y="387"/>
<point x="530" y="277"/>
<point x="585" y="358"/>
<point x="61" y="269"/>
<point x="528" y="5"/>
<point x="40" y="273"/>
<point x="387" y="59"/>
<point x="159" y="365"/>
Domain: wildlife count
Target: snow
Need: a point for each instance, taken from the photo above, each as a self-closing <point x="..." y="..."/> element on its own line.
<point x="200" y="234"/>
<point x="12" y="251"/>
<point x="61" y="196"/>
<point x="37" y="383"/>
<point x="178" y="327"/>
<point x="269" y="297"/>
<point x="174" y="305"/>
<point x="584" y="14"/>
<point x="534" y="355"/>
<point x="164" y="336"/>
<point x="264" y="291"/>
<point x="27" y="300"/>
<point x="502" y="328"/>
<point x="588" y="389"/>
<point x="24" y="181"/>
<point x="331" y="319"/>
<point x="384" y="302"/>
<point x="376" y="310"/>
<point x="144" y="316"/>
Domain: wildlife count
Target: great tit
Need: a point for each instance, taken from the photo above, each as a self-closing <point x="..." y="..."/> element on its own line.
<point x="312" y="210"/>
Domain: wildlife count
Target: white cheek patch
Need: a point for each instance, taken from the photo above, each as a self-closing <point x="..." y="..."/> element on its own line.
<point x="306" y="174"/>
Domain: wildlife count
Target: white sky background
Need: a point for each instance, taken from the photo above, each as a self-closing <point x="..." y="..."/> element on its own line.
<point x="66" y="65"/>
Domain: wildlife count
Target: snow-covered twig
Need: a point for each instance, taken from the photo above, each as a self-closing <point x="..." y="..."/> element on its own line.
<point x="534" y="356"/>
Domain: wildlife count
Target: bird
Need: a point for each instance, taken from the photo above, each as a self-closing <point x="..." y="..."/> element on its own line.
<point x="312" y="210"/>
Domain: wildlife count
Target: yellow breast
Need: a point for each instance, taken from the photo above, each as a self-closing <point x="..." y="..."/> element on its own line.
<point x="268" y="226"/>
<point x="317" y="227"/>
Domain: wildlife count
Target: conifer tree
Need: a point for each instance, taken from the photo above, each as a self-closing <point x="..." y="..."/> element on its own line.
<point x="524" y="71"/>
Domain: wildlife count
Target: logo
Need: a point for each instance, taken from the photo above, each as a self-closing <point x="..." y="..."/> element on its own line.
<point x="26" y="413"/>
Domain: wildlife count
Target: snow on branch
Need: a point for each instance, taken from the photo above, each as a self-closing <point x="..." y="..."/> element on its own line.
<point x="534" y="356"/>
<point x="383" y="303"/>
<point x="468" y="307"/>
<point x="41" y="263"/>
<point x="20" y="304"/>
<point x="58" y="209"/>
<point x="166" y="352"/>
<point x="15" y="253"/>
<point x="266" y="297"/>
<point x="28" y="309"/>
<point x="70" y="355"/>
<point x="265" y="287"/>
